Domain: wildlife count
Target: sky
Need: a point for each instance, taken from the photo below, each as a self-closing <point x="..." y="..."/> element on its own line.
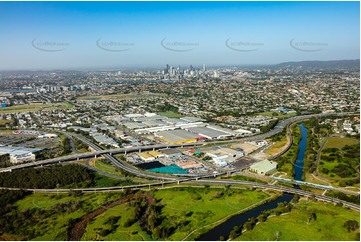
<point x="75" y="35"/>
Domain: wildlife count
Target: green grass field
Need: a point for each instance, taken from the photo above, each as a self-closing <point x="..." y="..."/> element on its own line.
<point x="125" y="211"/>
<point x="179" y="204"/>
<point x="54" y="227"/>
<point x="40" y="200"/>
<point x="170" y="114"/>
<point x="46" y="201"/>
<point x="277" y="146"/>
<point x="340" y="142"/>
<point x="108" y="168"/>
<point x="34" y="107"/>
<point x="331" y="160"/>
<point x="199" y="207"/>
<point x="293" y="226"/>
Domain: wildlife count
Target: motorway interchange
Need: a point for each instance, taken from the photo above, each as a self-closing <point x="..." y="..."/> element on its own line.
<point x="168" y="179"/>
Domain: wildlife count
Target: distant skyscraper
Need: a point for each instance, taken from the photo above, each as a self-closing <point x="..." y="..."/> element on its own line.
<point x="215" y="74"/>
<point x="171" y="70"/>
<point x="166" y="71"/>
<point x="204" y="67"/>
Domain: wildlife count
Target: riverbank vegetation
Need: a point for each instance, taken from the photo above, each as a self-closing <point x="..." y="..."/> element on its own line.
<point x="188" y="209"/>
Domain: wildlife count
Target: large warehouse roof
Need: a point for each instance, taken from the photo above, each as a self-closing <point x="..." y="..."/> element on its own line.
<point x="264" y="167"/>
<point x="175" y="136"/>
<point x="207" y="132"/>
<point x="14" y="150"/>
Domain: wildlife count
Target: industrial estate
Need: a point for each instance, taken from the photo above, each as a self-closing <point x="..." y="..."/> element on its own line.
<point x="146" y="139"/>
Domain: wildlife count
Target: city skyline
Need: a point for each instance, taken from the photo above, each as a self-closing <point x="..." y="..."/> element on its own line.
<point x="81" y="35"/>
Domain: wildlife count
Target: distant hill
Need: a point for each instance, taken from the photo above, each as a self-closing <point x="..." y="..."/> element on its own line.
<point x="333" y="64"/>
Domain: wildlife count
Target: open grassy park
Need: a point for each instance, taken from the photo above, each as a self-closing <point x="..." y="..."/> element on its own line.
<point x="338" y="142"/>
<point x="184" y="208"/>
<point x="34" y="107"/>
<point x="294" y="225"/>
<point x="53" y="212"/>
<point x="339" y="161"/>
<point x="95" y="230"/>
<point x="187" y="209"/>
<point x="195" y="208"/>
<point x="187" y="212"/>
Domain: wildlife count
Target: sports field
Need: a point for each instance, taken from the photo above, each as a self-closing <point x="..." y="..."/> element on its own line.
<point x="340" y="142"/>
<point x="34" y="107"/>
<point x="170" y="114"/>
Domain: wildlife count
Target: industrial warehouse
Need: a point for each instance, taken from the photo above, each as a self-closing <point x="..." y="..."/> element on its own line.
<point x="19" y="154"/>
<point x="176" y="130"/>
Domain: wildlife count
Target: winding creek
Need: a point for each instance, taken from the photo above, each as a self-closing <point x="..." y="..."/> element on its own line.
<point x="298" y="166"/>
<point x="225" y="228"/>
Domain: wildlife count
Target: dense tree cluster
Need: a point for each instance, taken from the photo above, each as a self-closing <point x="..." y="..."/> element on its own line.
<point x="47" y="177"/>
<point x="80" y="146"/>
<point x="351" y="225"/>
<point x="348" y="159"/>
<point x="345" y="197"/>
<point x="271" y="125"/>
<point x="167" y="107"/>
<point x="4" y="160"/>
<point x="8" y="198"/>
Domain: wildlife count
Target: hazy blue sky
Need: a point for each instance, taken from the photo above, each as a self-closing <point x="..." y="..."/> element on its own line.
<point x="43" y="35"/>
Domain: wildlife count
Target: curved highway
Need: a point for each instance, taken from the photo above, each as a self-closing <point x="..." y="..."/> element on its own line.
<point x="98" y="151"/>
<point x="140" y="173"/>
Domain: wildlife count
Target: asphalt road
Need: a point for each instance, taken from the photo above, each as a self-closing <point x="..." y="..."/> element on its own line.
<point x="140" y="173"/>
<point x="98" y="151"/>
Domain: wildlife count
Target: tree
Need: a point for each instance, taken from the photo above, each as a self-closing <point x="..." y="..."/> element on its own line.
<point x="207" y="158"/>
<point x="314" y="216"/>
<point x="351" y="225"/>
<point x="236" y="231"/>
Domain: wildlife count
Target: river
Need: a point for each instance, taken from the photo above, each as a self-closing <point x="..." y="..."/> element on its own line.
<point x="298" y="165"/>
<point x="225" y="228"/>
